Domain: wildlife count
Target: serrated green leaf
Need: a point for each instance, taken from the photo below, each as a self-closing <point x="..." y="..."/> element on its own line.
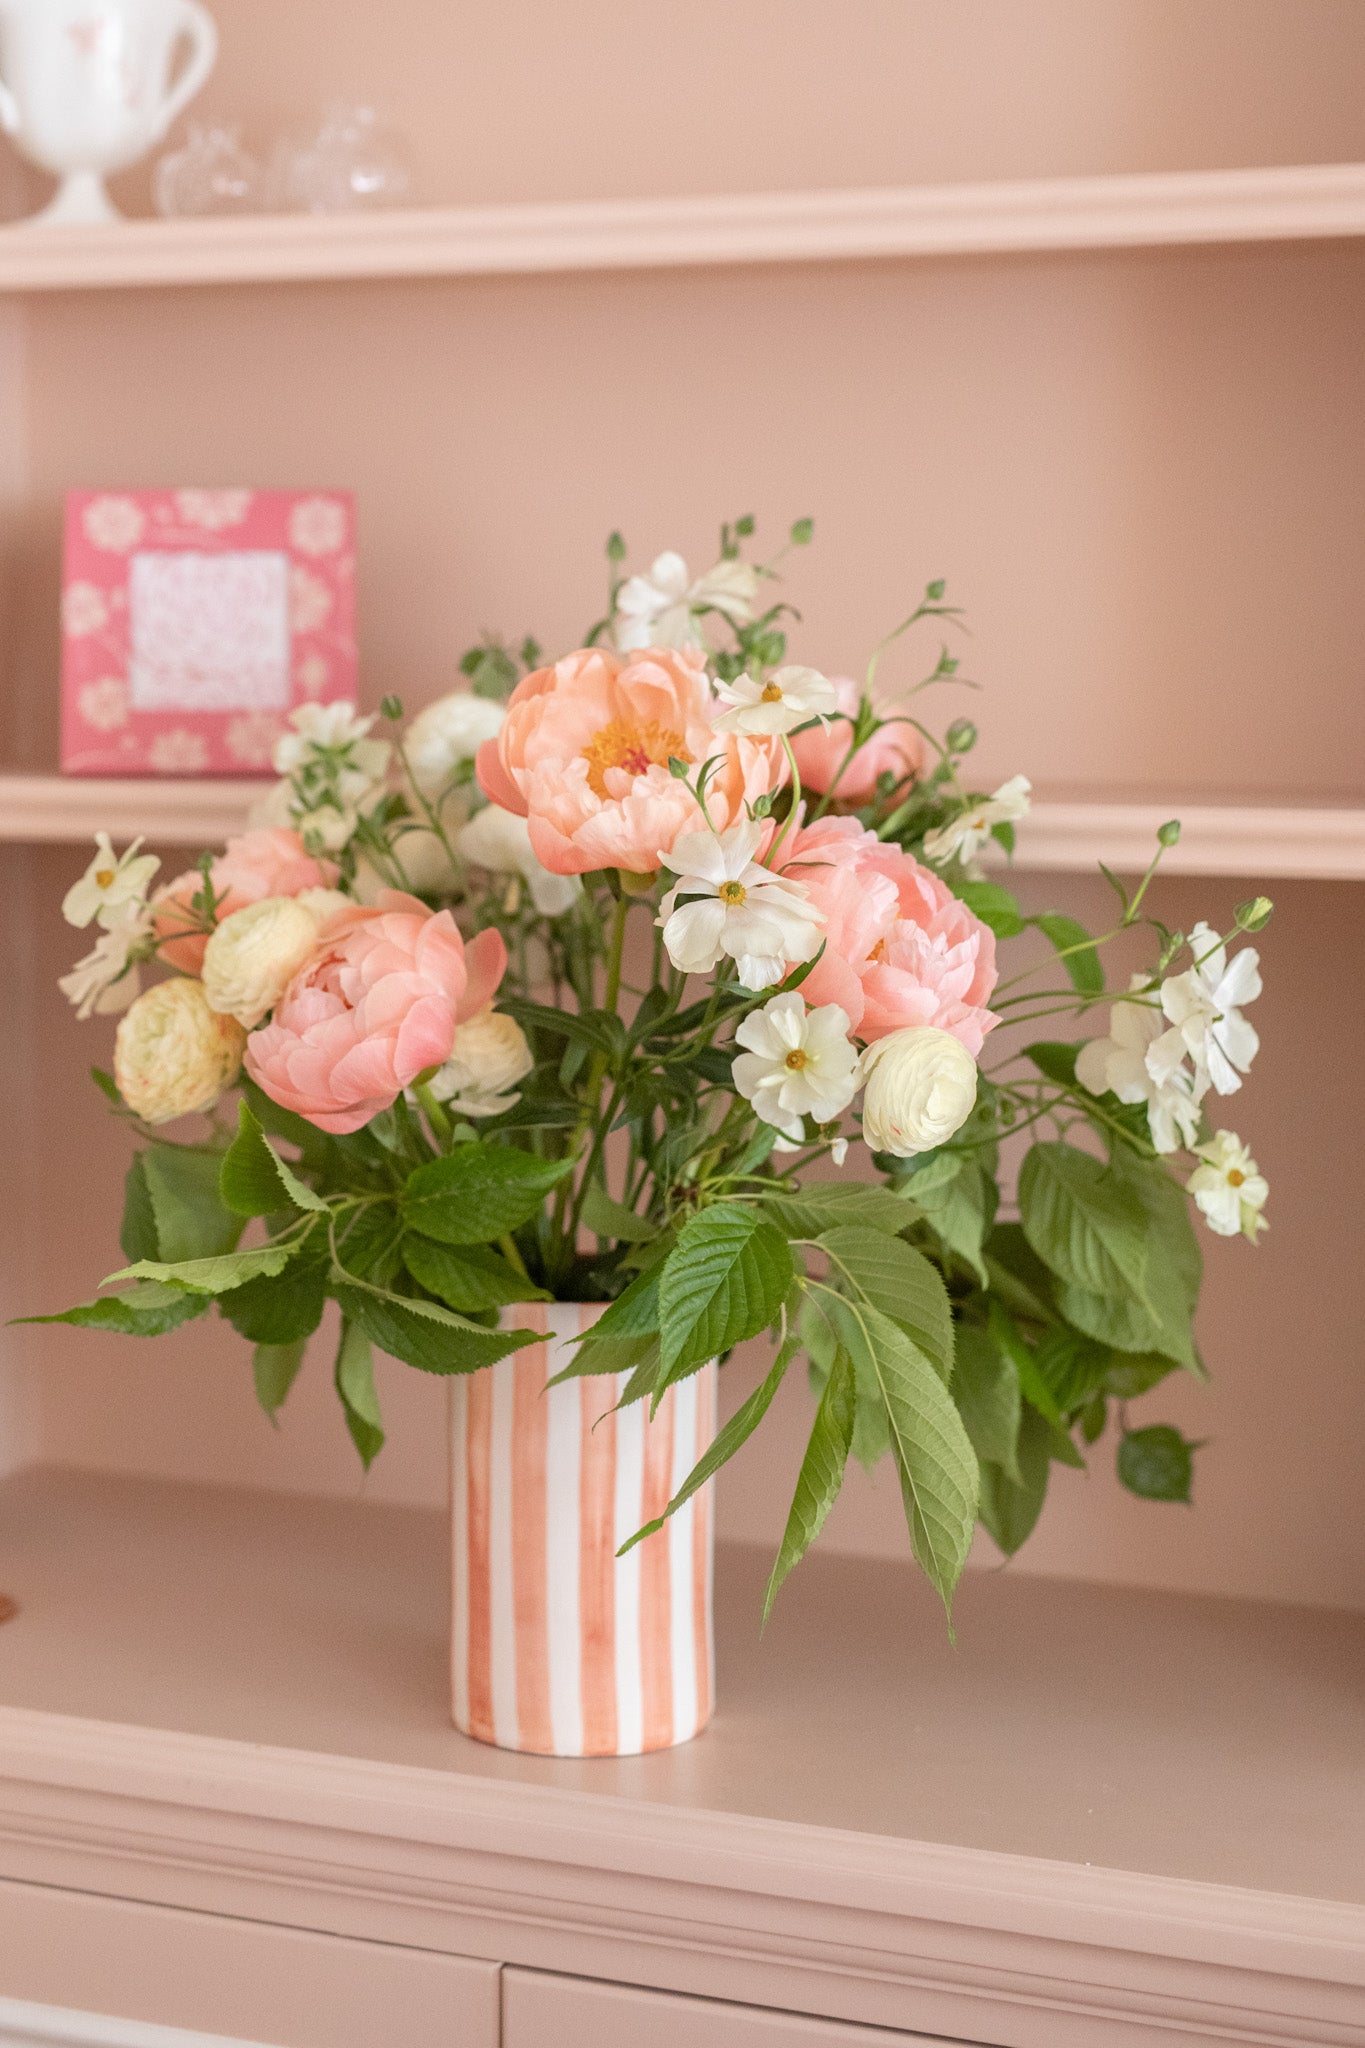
<point x="1056" y="1059"/>
<point x="1157" y="1463"/>
<point x="478" y="1192"/>
<point x="609" y="1219"/>
<point x="254" y="1180"/>
<point x="275" y="1367"/>
<point x="824" y="1205"/>
<point x="279" y="1309"/>
<point x="137" y="1238"/>
<point x="211" y="1276"/>
<point x="191" y="1222"/>
<point x="995" y="907"/>
<point x="900" y="1282"/>
<point x="725" y="1280"/>
<point x="356" y="1391"/>
<point x="1032" y="1385"/>
<point x="146" y="1310"/>
<point x="424" y="1334"/>
<point x="958" y="1207"/>
<point x="1080" y="957"/>
<point x="821" y="1474"/>
<point x="986" y="1390"/>
<point x="1084" y="1221"/>
<point x="1072" y="1366"/>
<point x="471" y="1280"/>
<point x="1010" y="1507"/>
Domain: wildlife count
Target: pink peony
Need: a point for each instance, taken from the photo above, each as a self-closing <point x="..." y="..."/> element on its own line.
<point x="583" y="756"/>
<point x="900" y="948"/>
<point x="820" y="753"/>
<point x="376" y="1005"/>
<point x="253" y="866"/>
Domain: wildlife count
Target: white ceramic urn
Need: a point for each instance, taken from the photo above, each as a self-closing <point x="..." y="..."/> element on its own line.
<point x="86" y="87"/>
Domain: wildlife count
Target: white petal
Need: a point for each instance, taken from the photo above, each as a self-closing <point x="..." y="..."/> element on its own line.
<point x="759" y="970"/>
<point x="692" y="937"/>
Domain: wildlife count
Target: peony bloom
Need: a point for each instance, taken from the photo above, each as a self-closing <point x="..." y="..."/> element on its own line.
<point x="920" y="1087"/>
<point x="900" y="948"/>
<point x="963" y="837"/>
<point x="374" y="1007"/>
<point x="269" y="862"/>
<point x="782" y="701"/>
<point x="447" y="733"/>
<point x="658" y="610"/>
<point x="173" y="1055"/>
<point x="725" y="903"/>
<point x="1203" y="1006"/>
<point x="1120" y="1063"/>
<point x="110" y="883"/>
<point x="489" y="1056"/>
<point x="796" y="1062"/>
<point x="895" y="749"/>
<point x="501" y="842"/>
<point x="1229" y="1188"/>
<point x="584" y="754"/>
<point x="254" y="954"/>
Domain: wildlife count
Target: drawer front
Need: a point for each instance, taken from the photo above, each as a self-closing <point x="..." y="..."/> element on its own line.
<point x="540" y="2011"/>
<point x="233" y="1978"/>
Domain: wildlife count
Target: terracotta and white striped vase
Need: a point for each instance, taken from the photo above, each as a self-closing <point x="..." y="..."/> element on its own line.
<point x="559" y="1646"/>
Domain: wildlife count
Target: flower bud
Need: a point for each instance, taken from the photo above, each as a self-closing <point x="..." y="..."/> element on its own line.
<point x="920" y="1087"/>
<point x="1169" y="833"/>
<point x="253" y="956"/>
<point x="489" y="1056"/>
<point x="1255" y="915"/>
<point x="173" y="1055"/>
<point x="961" y="736"/>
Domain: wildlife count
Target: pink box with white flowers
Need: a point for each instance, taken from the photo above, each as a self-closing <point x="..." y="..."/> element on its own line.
<point x="194" y="621"/>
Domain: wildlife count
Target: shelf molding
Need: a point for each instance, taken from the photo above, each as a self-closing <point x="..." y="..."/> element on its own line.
<point x="1262" y="841"/>
<point x="1146" y="209"/>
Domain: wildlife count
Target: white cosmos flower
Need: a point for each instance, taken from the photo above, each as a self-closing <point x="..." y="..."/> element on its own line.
<point x="796" y="1063"/>
<point x="731" y="905"/>
<point x="1203" y="1006"/>
<point x="789" y="697"/>
<point x="965" y="835"/>
<point x="501" y="842"/>
<point x="109" y="883"/>
<point x="1229" y="1188"/>
<point x="1120" y="1062"/>
<point x="658" y="610"/>
<point x="489" y="1056"/>
<point x="108" y="980"/>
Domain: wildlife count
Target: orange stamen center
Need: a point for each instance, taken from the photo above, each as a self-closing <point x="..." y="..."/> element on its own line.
<point x="771" y="694"/>
<point x="1236" y="1177"/>
<point x="105" y="878"/>
<point x="796" y="1059"/>
<point x="634" y="747"/>
<point x="732" y="893"/>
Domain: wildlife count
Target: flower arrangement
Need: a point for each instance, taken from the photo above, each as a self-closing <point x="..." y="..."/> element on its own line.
<point x="560" y="995"/>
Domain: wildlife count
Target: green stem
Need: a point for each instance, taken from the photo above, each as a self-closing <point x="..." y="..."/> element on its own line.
<point x="507" y="1245"/>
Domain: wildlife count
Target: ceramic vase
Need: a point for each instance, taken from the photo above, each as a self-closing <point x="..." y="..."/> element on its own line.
<point x="559" y="1646"/>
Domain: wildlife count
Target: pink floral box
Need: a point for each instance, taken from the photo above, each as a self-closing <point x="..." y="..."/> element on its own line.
<point x="194" y="621"/>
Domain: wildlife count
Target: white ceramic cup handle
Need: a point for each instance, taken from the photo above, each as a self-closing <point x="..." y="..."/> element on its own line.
<point x="198" y="24"/>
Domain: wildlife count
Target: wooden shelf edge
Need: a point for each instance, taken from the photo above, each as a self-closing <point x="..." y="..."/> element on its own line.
<point x="1288" y="203"/>
<point x="1262" y="841"/>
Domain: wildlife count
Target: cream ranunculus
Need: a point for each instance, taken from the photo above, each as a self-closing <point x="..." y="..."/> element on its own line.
<point x="252" y="957"/>
<point x="173" y="1055"/>
<point x="489" y="1056"/>
<point x="920" y="1087"/>
<point x="447" y="733"/>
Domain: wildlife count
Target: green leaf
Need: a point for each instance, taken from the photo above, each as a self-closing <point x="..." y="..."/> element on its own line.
<point x="1080" y="957"/>
<point x="279" y="1309"/>
<point x="823" y="1205"/>
<point x="937" y="1465"/>
<point x="422" y="1333"/>
<point x="478" y="1192"/>
<point x="1073" y="1367"/>
<point x="254" y="1180"/>
<point x="995" y="907"/>
<point x="1084" y="1221"/>
<point x="191" y="1222"/>
<point x="957" y="1206"/>
<point x="725" y="1279"/>
<point x="211" y="1276"/>
<point x="725" y="1443"/>
<point x="275" y="1368"/>
<point x="472" y="1280"/>
<point x="609" y="1219"/>
<point x="901" y="1283"/>
<point x="137" y="1238"/>
<point x="355" y="1388"/>
<point x="317" y="1148"/>
<point x="986" y="1389"/>
<point x="821" y="1474"/>
<point x="146" y="1310"/>
<point x="1129" y="1377"/>
<point x="1032" y="1385"/>
<point x="1157" y="1463"/>
<point x="1056" y="1059"/>
<point x="1010" y="1507"/>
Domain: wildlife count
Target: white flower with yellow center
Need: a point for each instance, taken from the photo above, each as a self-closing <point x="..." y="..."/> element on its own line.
<point x="1203" y="1006"/>
<point x="725" y="903"/>
<point x="1120" y="1063"/>
<point x="107" y="980"/>
<point x="796" y="1063"/>
<point x="1229" y="1188"/>
<point x="963" y="837"/>
<point x="658" y="610"/>
<point x="787" y="698"/>
<point x="109" y="883"/>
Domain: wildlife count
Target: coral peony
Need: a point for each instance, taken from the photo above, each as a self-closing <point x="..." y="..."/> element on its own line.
<point x="173" y="1055"/>
<point x="896" y="748"/>
<point x="583" y="756"/>
<point x="900" y="948"/>
<point x="377" y="1004"/>
<point x="270" y="862"/>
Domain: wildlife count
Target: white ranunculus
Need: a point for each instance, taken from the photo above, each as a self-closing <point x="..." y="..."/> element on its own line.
<point x="111" y="881"/>
<point x="725" y="903"/>
<point x="254" y="954"/>
<point x="501" y="842"/>
<point x="783" y="700"/>
<point x="919" y="1088"/>
<point x="1203" y="1006"/>
<point x="965" y="835"/>
<point x="173" y="1055"/>
<point x="489" y="1056"/>
<point x="107" y="980"/>
<point x="1229" y="1188"/>
<point x="1120" y="1063"/>
<point x="658" y="610"/>
<point x="447" y="733"/>
<point x="796" y="1063"/>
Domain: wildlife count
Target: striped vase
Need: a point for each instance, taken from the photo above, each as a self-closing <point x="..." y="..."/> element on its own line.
<point x="558" y="1645"/>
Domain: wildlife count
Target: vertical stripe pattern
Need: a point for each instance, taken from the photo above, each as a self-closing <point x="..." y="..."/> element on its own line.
<point x="558" y="1645"/>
